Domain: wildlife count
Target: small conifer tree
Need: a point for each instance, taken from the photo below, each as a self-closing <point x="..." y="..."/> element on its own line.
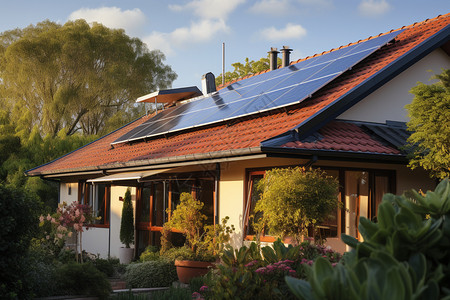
<point x="127" y="222"/>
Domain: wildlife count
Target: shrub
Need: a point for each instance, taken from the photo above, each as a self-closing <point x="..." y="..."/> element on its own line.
<point x="105" y="266"/>
<point x="293" y="199"/>
<point x="41" y="277"/>
<point x="18" y="224"/>
<point x="182" y="253"/>
<point x="150" y="274"/>
<point x="82" y="279"/>
<point x="151" y="253"/>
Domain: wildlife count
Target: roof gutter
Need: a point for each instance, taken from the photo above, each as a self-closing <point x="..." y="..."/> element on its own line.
<point x="158" y="163"/>
<point x="334" y="155"/>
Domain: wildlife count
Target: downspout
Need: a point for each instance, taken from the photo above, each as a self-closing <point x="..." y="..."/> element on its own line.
<point x="216" y="194"/>
<point x="311" y="161"/>
<point x="109" y="227"/>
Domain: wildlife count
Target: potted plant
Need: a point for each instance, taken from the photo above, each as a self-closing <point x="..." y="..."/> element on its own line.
<point x="127" y="229"/>
<point x="204" y="243"/>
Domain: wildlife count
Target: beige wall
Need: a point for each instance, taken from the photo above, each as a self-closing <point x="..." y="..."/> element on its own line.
<point x="231" y="197"/>
<point x="231" y="188"/>
<point x="388" y="102"/>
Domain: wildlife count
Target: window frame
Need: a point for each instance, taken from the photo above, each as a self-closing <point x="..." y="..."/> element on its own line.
<point x="86" y="191"/>
<point x="373" y="173"/>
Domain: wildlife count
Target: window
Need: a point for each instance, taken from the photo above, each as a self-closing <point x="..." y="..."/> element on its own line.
<point x="360" y="191"/>
<point x="98" y="198"/>
<point x="157" y="195"/>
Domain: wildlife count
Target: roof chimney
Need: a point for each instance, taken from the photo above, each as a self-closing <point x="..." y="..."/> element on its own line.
<point x="286" y="60"/>
<point x="273" y="53"/>
<point x="208" y="83"/>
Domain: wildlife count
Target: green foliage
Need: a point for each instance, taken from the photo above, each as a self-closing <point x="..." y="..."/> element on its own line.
<point x="82" y="279"/>
<point x="248" y="273"/>
<point x="150" y="253"/>
<point x="250" y="67"/>
<point x="404" y="255"/>
<point x="429" y="122"/>
<point x="293" y="199"/>
<point x="150" y="274"/>
<point x="106" y="266"/>
<point x="41" y="273"/>
<point x="75" y="76"/>
<point x="127" y="221"/>
<point x="205" y="241"/>
<point x="178" y="253"/>
<point x="18" y="224"/>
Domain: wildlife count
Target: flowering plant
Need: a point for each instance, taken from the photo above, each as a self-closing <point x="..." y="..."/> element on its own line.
<point x="67" y="219"/>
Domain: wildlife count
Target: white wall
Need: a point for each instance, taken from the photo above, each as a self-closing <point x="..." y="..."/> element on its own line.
<point x="95" y="239"/>
<point x="116" y="213"/>
<point x="388" y="102"/>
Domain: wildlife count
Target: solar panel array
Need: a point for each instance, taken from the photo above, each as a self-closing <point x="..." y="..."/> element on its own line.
<point x="267" y="91"/>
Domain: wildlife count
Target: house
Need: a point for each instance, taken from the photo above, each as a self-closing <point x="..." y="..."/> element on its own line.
<point x="341" y="110"/>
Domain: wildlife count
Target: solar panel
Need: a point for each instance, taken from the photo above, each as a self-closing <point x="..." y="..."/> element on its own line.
<point x="267" y="91"/>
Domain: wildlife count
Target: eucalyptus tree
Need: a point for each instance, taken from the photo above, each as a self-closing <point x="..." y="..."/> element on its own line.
<point x="75" y="76"/>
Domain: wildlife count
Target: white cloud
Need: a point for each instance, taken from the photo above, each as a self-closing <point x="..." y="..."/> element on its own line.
<point x="113" y="17"/>
<point x="373" y="8"/>
<point x="317" y="3"/>
<point x="160" y="41"/>
<point x="209" y="9"/>
<point x="198" y="32"/>
<point x="291" y="31"/>
<point x="272" y="7"/>
<point x="210" y="22"/>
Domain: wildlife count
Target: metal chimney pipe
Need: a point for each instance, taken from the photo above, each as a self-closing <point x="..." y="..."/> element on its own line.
<point x="273" y="57"/>
<point x="286" y="60"/>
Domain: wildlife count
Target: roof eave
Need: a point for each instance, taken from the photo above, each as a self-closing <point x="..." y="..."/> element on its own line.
<point x="173" y="161"/>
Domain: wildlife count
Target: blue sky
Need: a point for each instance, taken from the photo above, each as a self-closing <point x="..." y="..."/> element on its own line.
<point x="191" y="32"/>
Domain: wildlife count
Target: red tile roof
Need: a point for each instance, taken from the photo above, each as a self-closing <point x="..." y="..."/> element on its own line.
<point x="346" y="137"/>
<point x="246" y="132"/>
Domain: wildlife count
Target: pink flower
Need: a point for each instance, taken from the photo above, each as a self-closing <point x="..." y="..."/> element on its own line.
<point x="49" y="217"/>
<point x="82" y="219"/>
<point x="204" y="288"/>
<point x="292" y="272"/>
<point x="75" y="226"/>
<point x="41" y="218"/>
<point x="47" y="237"/>
<point x="59" y="235"/>
<point x="196" y="295"/>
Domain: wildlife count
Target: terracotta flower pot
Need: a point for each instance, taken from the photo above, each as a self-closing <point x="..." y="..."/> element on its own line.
<point x="188" y="269"/>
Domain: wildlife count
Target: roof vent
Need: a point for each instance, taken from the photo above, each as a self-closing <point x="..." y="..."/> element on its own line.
<point x="208" y="83"/>
<point x="286" y="60"/>
<point x="273" y="53"/>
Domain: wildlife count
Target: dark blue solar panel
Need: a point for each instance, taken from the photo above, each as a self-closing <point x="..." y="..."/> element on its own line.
<point x="267" y="91"/>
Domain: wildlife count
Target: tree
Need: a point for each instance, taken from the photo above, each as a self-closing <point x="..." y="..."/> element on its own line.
<point x="18" y="224"/>
<point x="250" y="67"/>
<point x="75" y="76"/>
<point x="429" y="123"/>
<point x="293" y="199"/>
<point x="127" y="223"/>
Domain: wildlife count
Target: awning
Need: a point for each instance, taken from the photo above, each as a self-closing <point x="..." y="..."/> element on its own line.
<point x="128" y="176"/>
